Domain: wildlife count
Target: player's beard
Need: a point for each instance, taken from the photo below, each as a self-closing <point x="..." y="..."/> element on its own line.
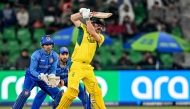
<point x="48" y="49"/>
<point x="98" y="30"/>
<point x="64" y="60"/>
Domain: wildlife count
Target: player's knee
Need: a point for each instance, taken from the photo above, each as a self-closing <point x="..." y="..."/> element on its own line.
<point x="72" y="93"/>
<point x="97" y="90"/>
<point x="25" y="93"/>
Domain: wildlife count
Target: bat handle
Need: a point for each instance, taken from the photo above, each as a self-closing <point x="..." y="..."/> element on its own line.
<point x="93" y="13"/>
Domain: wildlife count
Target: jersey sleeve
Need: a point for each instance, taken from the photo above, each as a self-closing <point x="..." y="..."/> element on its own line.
<point x="65" y="81"/>
<point x="34" y="64"/>
<point x="66" y="77"/>
<point x="82" y="26"/>
<point x="101" y="40"/>
<point x="68" y="63"/>
<point x="54" y="64"/>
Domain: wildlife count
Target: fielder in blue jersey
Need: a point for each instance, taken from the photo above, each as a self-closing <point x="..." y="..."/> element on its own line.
<point x="41" y="73"/>
<point x="62" y="72"/>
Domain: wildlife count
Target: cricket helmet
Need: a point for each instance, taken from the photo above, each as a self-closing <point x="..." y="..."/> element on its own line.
<point x="47" y="39"/>
<point x="98" y="20"/>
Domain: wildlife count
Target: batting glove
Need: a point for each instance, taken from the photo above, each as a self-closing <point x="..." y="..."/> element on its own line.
<point x="81" y="10"/>
<point x="53" y="80"/>
<point x="43" y="77"/>
<point x="86" y="14"/>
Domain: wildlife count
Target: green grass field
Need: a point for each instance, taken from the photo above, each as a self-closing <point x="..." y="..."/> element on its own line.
<point x="120" y="107"/>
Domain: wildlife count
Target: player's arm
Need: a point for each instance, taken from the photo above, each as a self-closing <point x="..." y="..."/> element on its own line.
<point x="64" y="78"/>
<point x="90" y="28"/>
<point x="65" y="81"/>
<point x="54" y="65"/>
<point x="92" y="31"/>
<point x="101" y="41"/>
<point x="61" y="83"/>
<point x="34" y="64"/>
<point x="75" y="19"/>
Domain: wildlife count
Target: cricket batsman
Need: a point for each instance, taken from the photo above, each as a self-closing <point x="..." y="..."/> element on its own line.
<point x="41" y="73"/>
<point x="62" y="72"/>
<point x="88" y="41"/>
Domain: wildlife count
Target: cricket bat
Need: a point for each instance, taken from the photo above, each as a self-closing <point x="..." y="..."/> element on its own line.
<point x="101" y="14"/>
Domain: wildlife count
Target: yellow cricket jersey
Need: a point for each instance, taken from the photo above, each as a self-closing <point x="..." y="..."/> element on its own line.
<point x="86" y="45"/>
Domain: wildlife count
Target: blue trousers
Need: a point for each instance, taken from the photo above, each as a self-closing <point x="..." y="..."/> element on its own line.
<point x="41" y="95"/>
<point x="30" y="83"/>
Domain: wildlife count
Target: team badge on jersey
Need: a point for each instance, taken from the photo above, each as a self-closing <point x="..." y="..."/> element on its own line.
<point x="51" y="60"/>
<point x="73" y="74"/>
<point x="91" y="40"/>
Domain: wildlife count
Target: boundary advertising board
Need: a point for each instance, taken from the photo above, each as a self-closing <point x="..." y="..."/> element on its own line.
<point x="126" y="87"/>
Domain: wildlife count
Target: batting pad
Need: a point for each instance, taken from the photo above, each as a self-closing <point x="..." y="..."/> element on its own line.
<point x="96" y="98"/>
<point x="67" y="98"/>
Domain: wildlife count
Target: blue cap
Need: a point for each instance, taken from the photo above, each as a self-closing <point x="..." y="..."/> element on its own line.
<point x="63" y="50"/>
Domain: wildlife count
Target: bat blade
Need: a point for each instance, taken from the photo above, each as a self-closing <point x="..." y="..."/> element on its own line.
<point x="101" y="14"/>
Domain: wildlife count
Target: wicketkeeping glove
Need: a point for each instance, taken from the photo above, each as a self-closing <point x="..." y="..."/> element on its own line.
<point x="43" y="77"/>
<point x="53" y="80"/>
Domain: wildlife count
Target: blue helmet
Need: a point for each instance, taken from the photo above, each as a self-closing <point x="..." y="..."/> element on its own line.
<point x="47" y="39"/>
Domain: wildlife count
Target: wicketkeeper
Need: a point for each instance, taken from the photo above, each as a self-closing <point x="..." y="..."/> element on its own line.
<point x="41" y="73"/>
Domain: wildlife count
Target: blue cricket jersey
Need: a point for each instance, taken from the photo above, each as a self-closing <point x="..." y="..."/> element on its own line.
<point x="63" y="72"/>
<point x="42" y="63"/>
